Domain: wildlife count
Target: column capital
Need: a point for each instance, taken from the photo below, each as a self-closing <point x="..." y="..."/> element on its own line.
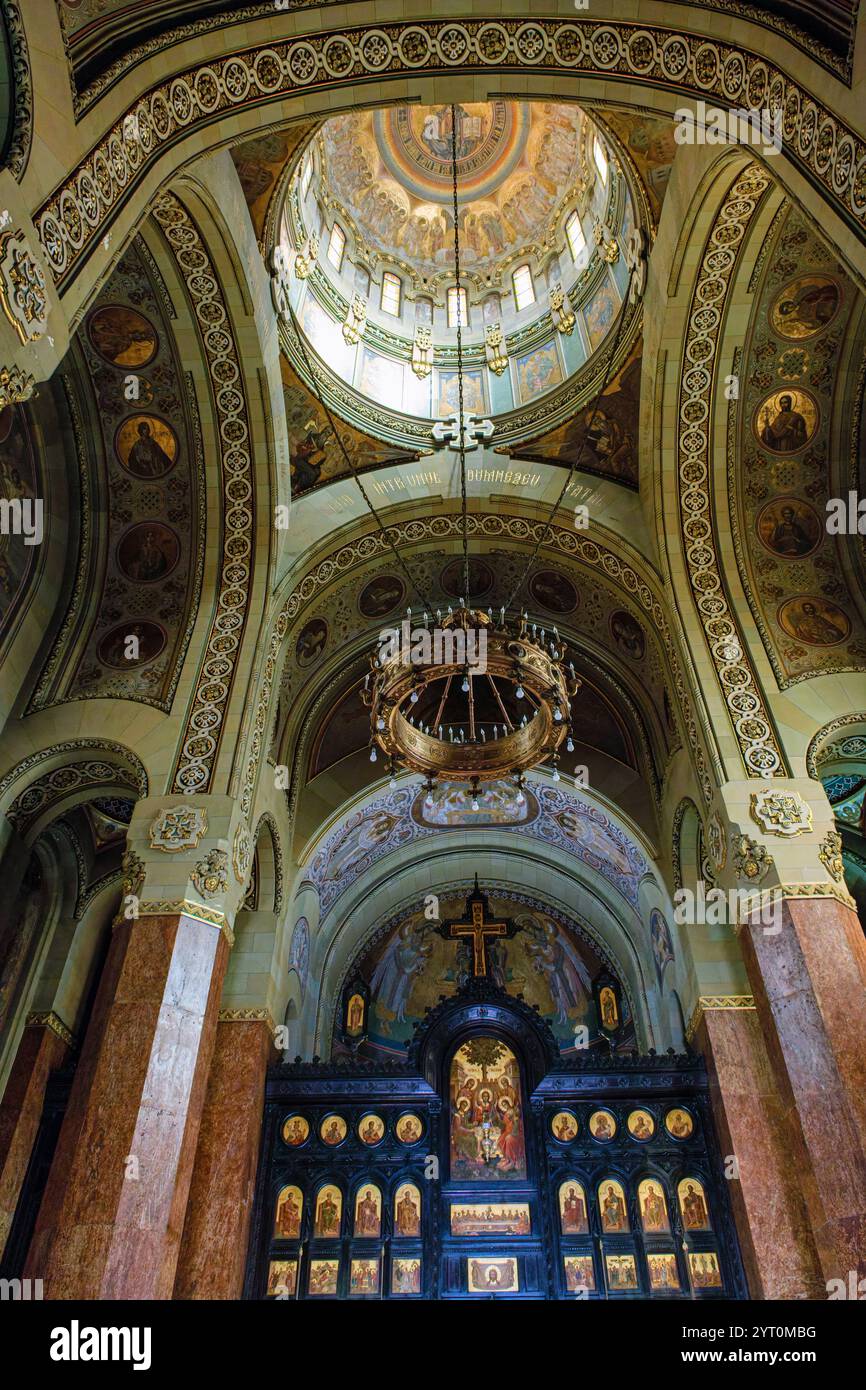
<point x="189" y="855"/>
<point x="776" y="838"/>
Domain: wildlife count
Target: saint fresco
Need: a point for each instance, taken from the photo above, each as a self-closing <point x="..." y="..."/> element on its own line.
<point x="487" y="1140"/>
<point x="652" y="1206"/>
<point x="311" y="642"/>
<point x="333" y="1129"/>
<point x="329" y="1211"/>
<point x="663" y="1272"/>
<point x="579" y="1273"/>
<point x="409" y="1129"/>
<point x="553" y="591"/>
<point x="641" y="1125"/>
<point x="148" y="552"/>
<point x="628" y="634"/>
<point x="704" y="1270"/>
<point x="790" y="528"/>
<point x="572" y="1209"/>
<point x="564" y="1126"/>
<point x="368" y="1211"/>
<point x="290" y="1207"/>
<point x="323" y="1277"/>
<point x="612" y="1204"/>
<point x="602" y="1125"/>
<point x="122" y="336"/>
<point x="405" y="1276"/>
<point x="693" y="1205"/>
<point x="814" y="620"/>
<point x="537" y="371"/>
<point x="805" y="306"/>
<point x="407" y="1211"/>
<point x="112" y="649"/>
<point x="621" y="1272"/>
<point x="146" y="446"/>
<point x="364" y="1277"/>
<point x="296" y="1130"/>
<point x="282" y="1279"/>
<point x="786" y="420"/>
<point x="371" y="1129"/>
<point x="381" y="596"/>
<point x="662" y="945"/>
<point x="679" y="1123"/>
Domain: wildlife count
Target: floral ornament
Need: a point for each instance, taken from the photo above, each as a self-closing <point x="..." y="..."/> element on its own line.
<point x="780" y="813"/>
<point x="15" y="386"/>
<point x="210" y="874"/>
<point x="132" y="869"/>
<point x="751" y="861"/>
<point x="830" y="855"/>
<point x="178" y="828"/>
<point x="22" y="288"/>
<point x="716" y="842"/>
<point x="242" y="853"/>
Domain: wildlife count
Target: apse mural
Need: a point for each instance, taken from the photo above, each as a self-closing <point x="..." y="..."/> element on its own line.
<point x="411" y="965"/>
<point x="398" y="817"/>
<point x="789" y="417"/>
<point x="487" y="1138"/>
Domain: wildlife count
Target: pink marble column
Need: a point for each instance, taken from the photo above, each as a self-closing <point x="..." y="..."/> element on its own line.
<point x="111" y="1219"/>
<point x="214" y="1246"/>
<point x="40" y="1052"/>
<point x="769" y="1209"/>
<point x="809" y="982"/>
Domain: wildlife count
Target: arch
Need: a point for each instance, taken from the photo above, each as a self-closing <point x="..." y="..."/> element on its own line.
<point x="269" y="861"/>
<point x="56" y="778"/>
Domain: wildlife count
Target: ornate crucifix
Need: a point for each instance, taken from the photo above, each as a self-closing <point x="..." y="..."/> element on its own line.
<point x="478" y="928"/>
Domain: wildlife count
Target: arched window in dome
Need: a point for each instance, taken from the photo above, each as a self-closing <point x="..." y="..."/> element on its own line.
<point x="574" y="235"/>
<point x="306" y="176"/>
<point x="458" y="308"/>
<point x="599" y="158"/>
<point x="392" y="293"/>
<point x="524" y="290"/>
<point x="336" y="246"/>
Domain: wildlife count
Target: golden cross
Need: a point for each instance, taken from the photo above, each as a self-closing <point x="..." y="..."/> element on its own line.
<point x="479" y="930"/>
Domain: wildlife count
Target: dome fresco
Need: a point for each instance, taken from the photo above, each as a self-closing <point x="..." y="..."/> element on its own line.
<point x="391" y="171"/>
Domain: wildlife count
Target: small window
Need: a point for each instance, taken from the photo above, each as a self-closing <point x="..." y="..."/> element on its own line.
<point x="306" y="176"/>
<point x="574" y="232"/>
<point x="458" y="310"/>
<point x="336" y="246"/>
<point x="599" y="157"/>
<point x="524" y="290"/>
<point x="392" y="289"/>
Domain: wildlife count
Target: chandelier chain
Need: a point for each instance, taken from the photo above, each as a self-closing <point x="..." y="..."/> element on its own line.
<point x="461" y="437"/>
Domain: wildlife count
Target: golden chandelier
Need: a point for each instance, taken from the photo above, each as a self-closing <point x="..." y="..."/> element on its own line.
<point x="469" y="699"/>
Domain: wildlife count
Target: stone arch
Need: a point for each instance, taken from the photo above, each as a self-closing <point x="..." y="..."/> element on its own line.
<point x="41" y="786"/>
<point x="269" y="864"/>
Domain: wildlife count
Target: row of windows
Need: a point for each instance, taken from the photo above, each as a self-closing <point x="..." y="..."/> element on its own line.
<point x="458" y="312"/>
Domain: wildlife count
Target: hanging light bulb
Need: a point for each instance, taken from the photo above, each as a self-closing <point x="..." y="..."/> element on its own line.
<point x="569" y="746"/>
<point x="380" y="723"/>
<point x="557" y="714"/>
<point x="556" y="774"/>
<point x="475" y="803"/>
<point x="392" y="781"/>
<point x="372" y="755"/>
<point x="519" y="692"/>
<point x="414" y="697"/>
<point x="465" y="686"/>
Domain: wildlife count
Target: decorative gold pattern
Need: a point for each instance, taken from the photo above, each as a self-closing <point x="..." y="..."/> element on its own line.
<point x="178" y="828"/>
<point x="210" y="875"/>
<point x="751" y="861"/>
<point x="751" y="719"/>
<point x="830" y="855"/>
<point x="54" y="1024"/>
<point x="133" y="872"/>
<point x="22" y="287"/>
<point x="706" y="1002"/>
<point x="780" y="813"/>
<point x="815" y="140"/>
<point x="242" y="854"/>
<point x="204" y="723"/>
<point x="16" y="386"/>
<point x="181" y="907"/>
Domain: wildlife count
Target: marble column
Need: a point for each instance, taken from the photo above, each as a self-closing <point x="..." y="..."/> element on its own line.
<point x="114" y="1207"/>
<point x="772" y="1220"/>
<point x="45" y="1046"/>
<point x="216" y="1233"/>
<point x="805" y="957"/>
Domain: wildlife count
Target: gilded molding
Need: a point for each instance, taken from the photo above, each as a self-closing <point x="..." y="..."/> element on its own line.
<point x="54" y="786"/>
<point x="18" y="152"/>
<point x="249" y="1016"/>
<point x="201" y="735"/>
<point x="818" y="143"/>
<point x="738" y="682"/>
<point x="707" y="1002"/>
<point x="54" y="1024"/>
<point x="181" y="907"/>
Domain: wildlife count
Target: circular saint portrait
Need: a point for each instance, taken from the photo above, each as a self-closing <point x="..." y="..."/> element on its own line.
<point x="381" y="596"/>
<point x="480" y="579"/>
<point x="296" y="1131"/>
<point x="786" y="420"/>
<point x="332" y="1129"/>
<point x="311" y="642"/>
<point x="789" y="527"/>
<point x="564" y="1126"/>
<point x="813" y="620"/>
<point x="641" y="1125"/>
<point x="553" y="591"/>
<point x="679" y="1123"/>
<point x="148" y="552"/>
<point x="146" y="446"/>
<point x="602" y="1125"/>
<point x="131" y="644"/>
<point x="627" y="632"/>
<point x="123" y="336"/>
<point x="409" y="1129"/>
<point x="371" y="1129"/>
<point x="805" y="306"/>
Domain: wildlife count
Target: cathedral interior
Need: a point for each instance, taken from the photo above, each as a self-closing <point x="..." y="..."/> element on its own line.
<point x="524" y="958"/>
